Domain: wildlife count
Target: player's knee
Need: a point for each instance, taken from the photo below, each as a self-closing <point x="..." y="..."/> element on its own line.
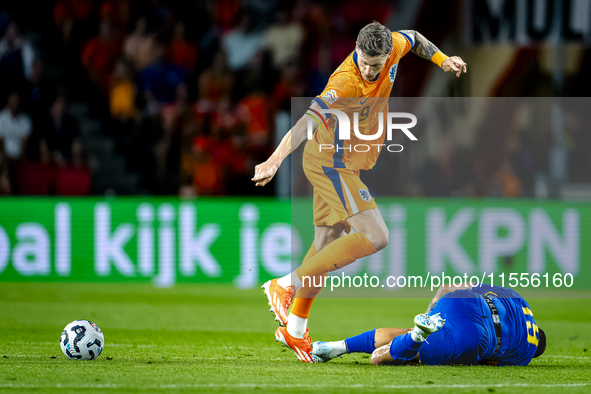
<point x="325" y="235"/>
<point x="319" y="245"/>
<point x="379" y="239"/>
<point x="384" y="240"/>
<point x="322" y="243"/>
<point x="375" y="359"/>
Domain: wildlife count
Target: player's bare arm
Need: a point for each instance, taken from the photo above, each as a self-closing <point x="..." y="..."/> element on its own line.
<point x="264" y="172"/>
<point x="427" y="50"/>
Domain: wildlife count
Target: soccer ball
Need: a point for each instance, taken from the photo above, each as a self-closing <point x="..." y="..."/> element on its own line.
<point x="82" y="340"/>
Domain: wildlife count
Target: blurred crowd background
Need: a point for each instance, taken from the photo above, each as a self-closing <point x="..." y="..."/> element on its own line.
<point x="156" y="97"/>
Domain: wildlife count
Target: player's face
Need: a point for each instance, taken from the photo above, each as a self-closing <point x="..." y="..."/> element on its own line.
<point x="370" y="67"/>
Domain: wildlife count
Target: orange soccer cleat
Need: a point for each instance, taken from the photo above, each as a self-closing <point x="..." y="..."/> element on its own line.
<point x="280" y="299"/>
<point x="301" y="347"/>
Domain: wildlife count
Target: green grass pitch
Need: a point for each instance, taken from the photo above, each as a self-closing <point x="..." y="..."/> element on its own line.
<point x="206" y="338"/>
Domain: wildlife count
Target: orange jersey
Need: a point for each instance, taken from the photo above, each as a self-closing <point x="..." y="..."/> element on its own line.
<point x="345" y="84"/>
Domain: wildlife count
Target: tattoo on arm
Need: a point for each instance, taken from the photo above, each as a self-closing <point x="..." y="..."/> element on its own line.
<point x="422" y="47"/>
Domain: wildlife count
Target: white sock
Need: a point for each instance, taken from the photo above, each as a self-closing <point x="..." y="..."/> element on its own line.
<point x="296" y="326"/>
<point x="418" y="335"/>
<point x="290" y="279"/>
<point x="338" y="348"/>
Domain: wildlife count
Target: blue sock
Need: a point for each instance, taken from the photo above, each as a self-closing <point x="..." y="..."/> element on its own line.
<point x="362" y="343"/>
<point x="403" y="348"/>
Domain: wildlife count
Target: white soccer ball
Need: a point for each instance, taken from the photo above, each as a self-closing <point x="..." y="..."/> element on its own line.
<point x="82" y="340"/>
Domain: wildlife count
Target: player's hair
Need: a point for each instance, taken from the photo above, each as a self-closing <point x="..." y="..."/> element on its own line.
<point x="541" y="344"/>
<point x="375" y="39"/>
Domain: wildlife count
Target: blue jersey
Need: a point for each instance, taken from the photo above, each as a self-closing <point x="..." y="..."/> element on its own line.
<point x="468" y="336"/>
<point x="520" y="333"/>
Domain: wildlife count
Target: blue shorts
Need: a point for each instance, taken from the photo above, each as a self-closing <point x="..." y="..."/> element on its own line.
<point x="467" y="335"/>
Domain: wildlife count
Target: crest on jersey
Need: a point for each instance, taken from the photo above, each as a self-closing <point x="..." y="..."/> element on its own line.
<point x="364" y="194"/>
<point x="392" y="72"/>
<point x="330" y="96"/>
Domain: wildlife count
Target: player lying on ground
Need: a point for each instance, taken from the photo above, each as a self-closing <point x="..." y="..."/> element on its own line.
<point x="483" y="325"/>
<point x="341" y="200"/>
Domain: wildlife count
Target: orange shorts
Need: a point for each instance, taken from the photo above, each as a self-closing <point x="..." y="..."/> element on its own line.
<point x="338" y="194"/>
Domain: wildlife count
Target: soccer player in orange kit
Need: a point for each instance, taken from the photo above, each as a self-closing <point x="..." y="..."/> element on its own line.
<point x="341" y="201"/>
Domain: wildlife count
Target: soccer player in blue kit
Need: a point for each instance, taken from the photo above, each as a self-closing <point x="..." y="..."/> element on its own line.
<point x="467" y="325"/>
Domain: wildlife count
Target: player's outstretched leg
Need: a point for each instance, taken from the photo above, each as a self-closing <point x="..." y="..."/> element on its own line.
<point x="336" y="255"/>
<point x="363" y="343"/>
<point x="401" y="343"/>
<point x="301" y="346"/>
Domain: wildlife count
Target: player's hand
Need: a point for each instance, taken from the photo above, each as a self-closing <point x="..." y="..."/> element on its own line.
<point x="264" y="172"/>
<point x="454" y="64"/>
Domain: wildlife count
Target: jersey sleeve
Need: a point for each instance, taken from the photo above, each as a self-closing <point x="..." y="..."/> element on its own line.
<point x="339" y="86"/>
<point x="403" y="43"/>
